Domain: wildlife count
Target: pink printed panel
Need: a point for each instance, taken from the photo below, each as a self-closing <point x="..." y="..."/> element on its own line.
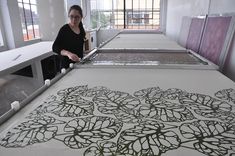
<point x="195" y="34"/>
<point x="214" y="38"/>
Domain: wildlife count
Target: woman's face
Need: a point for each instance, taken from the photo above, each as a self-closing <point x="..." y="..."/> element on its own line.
<point x="75" y="17"/>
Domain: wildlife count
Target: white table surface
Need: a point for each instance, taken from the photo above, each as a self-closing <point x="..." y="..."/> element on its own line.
<point x="182" y="99"/>
<point x="143" y="41"/>
<point x="15" y="59"/>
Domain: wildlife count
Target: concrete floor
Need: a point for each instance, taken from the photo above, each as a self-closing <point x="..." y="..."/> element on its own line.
<point x="15" y="88"/>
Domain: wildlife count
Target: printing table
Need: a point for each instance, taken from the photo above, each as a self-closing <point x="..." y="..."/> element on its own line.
<point x="16" y="59"/>
<point x="141" y="41"/>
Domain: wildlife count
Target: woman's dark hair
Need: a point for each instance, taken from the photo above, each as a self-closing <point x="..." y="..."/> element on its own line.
<point x="79" y="9"/>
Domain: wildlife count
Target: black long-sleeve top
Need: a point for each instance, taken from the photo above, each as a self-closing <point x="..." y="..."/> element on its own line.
<point x="67" y="39"/>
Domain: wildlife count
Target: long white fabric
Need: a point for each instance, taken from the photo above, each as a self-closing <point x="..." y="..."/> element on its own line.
<point x="127" y="111"/>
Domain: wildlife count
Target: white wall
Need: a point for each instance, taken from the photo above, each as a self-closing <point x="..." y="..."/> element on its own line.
<point x="176" y="9"/>
<point x="2" y="33"/>
<point x="163" y="14"/>
<point x="52" y="16"/>
<point x="222" y="6"/>
<point x="86" y="14"/>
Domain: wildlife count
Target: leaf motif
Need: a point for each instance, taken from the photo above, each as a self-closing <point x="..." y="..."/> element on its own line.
<point x="96" y="91"/>
<point x="172" y="93"/>
<point x="38" y="130"/>
<point x="78" y="90"/>
<point x="210" y="148"/>
<point x="72" y="106"/>
<point x="148" y="138"/>
<point x="211" y="136"/>
<point x="41" y="109"/>
<point x="129" y="116"/>
<point x="205" y="100"/>
<point x="167" y="112"/>
<point x="114" y="101"/>
<point x="205" y="105"/>
<point x="90" y="130"/>
<point x="150" y="95"/>
<point x="226" y="94"/>
<point x="228" y="117"/>
<point x="102" y="149"/>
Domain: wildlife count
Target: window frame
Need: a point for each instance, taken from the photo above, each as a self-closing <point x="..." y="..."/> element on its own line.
<point x="122" y="18"/>
<point x="27" y="36"/>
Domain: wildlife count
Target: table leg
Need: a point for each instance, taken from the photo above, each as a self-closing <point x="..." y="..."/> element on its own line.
<point x="37" y="72"/>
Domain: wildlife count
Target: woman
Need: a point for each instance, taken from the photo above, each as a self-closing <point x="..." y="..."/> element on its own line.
<point x="69" y="41"/>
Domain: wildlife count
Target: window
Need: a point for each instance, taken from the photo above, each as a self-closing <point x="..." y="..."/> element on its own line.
<point x="129" y="14"/>
<point x="137" y="18"/>
<point x="101" y="13"/>
<point x="29" y="19"/>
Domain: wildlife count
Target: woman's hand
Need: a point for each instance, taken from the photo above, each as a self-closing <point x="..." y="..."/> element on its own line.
<point x="70" y="55"/>
<point x="73" y="57"/>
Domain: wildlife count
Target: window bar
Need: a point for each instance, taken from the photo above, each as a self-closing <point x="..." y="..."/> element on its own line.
<point x="112" y="15"/>
<point x="31" y="14"/>
<point x="124" y="14"/>
<point x="116" y="15"/>
<point x="145" y="25"/>
<point x="25" y="20"/>
<point x="139" y="15"/>
<point x="98" y="15"/>
<point x="152" y="13"/>
<point x="132" y="14"/>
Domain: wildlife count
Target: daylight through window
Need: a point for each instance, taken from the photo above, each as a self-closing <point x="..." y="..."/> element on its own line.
<point x="127" y="14"/>
<point x="29" y="19"/>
